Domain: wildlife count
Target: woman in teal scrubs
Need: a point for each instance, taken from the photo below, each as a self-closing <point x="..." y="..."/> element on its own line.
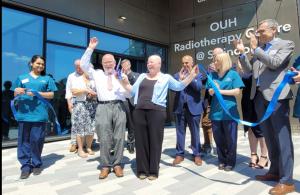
<point x="32" y="115"/>
<point x="224" y="128"/>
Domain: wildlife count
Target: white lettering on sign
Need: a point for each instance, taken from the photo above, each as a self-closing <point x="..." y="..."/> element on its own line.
<point x="281" y="28"/>
<point x="206" y="42"/>
<point x="200" y="1"/>
<point x="228" y="39"/>
<point x="229" y="51"/>
<point x="223" y="24"/>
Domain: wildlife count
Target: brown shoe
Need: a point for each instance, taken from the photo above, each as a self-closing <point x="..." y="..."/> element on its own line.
<point x="198" y="161"/>
<point x="73" y="148"/>
<point x="281" y="188"/>
<point x="178" y="160"/>
<point x="267" y="177"/>
<point x="118" y="171"/>
<point x="104" y="173"/>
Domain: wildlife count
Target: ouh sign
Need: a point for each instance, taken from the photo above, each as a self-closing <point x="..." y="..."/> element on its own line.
<point x="228" y="39"/>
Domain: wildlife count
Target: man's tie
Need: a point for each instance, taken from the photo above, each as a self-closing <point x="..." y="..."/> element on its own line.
<point x="109" y="82"/>
<point x="266" y="47"/>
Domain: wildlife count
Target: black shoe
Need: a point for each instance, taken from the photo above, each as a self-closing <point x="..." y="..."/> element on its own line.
<point x="228" y="168"/>
<point x="36" y="171"/>
<point x="207" y="149"/>
<point x="130" y="149"/>
<point x="24" y="175"/>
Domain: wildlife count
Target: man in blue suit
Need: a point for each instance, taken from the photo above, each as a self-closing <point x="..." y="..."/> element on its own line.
<point x="188" y="110"/>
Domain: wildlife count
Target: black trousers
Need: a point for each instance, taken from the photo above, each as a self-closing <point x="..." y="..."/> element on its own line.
<point x="129" y="122"/>
<point x="5" y="128"/>
<point x="278" y="136"/>
<point x="148" y="139"/>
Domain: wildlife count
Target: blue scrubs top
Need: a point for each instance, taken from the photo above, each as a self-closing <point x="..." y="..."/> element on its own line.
<point x="231" y="80"/>
<point x="31" y="109"/>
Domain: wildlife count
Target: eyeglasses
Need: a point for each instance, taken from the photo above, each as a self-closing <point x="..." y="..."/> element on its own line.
<point x="260" y="31"/>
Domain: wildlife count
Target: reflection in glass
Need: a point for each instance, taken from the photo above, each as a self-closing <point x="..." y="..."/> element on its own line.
<point x="60" y="60"/>
<point x="60" y="63"/>
<point x="118" y="44"/>
<point x="66" y="33"/>
<point x="22" y="36"/>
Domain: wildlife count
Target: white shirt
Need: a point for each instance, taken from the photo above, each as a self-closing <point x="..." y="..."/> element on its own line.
<point x="103" y="94"/>
<point x="75" y="81"/>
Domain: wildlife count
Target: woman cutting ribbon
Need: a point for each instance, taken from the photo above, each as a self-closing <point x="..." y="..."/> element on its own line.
<point x="224" y="128"/>
<point x="32" y="115"/>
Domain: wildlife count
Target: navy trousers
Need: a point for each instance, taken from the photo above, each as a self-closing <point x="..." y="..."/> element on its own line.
<point x="225" y="135"/>
<point x="277" y="133"/>
<point x="30" y="144"/>
<point x="182" y="120"/>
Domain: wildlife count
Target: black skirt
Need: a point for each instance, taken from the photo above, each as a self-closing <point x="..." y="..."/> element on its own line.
<point x="248" y="108"/>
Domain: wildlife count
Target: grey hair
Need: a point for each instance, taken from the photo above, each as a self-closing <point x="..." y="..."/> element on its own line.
<point x="271" y="23"/>
<point x="126" y="60"/>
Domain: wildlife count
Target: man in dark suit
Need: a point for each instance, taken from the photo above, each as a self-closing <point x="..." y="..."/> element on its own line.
<point x="188" y="110"/>
<point x="270" y="61"/>
<point x="129" y="105"/>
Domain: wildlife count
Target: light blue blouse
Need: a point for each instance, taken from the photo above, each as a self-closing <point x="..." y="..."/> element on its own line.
<point x="164" y="82"/>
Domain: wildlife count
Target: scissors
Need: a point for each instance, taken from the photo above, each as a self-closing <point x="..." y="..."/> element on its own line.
<point x="118" y="70"/>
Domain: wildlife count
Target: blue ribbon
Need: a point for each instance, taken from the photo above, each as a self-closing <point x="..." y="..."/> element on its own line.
<point x="42" y="99"/>
<point x="288" y="79"/>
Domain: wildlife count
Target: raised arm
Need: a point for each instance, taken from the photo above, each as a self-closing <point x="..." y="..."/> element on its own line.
<point x="246" y="64"/>
<point x="279" y="58"/>
<point x="85" y="63"/>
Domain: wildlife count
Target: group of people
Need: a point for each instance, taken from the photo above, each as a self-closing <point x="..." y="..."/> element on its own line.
<point x="107" y="101"/>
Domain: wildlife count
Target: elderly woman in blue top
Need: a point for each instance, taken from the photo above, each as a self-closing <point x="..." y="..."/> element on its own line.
<point x="150" y="92"/>
<point x="224" y="128"/>
<point x="296" y="68"/>
<point x="32" y="115"/>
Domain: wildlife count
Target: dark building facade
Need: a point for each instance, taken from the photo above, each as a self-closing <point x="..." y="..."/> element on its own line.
<point x="133" y="29"/>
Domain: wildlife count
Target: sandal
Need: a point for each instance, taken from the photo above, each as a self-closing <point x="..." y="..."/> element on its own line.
<point x="82" y="154"/>
<point x="264" y="161"/>
<point x="90" y="151"/>
<point x="254" y="160"/>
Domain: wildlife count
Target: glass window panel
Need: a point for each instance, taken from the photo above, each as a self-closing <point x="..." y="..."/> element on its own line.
<point x="60" y="63"/>
<point x="22" y="36"/>
<point x="66" y="33"/>
<point x="60" y="60"/>
<point x="118" y="44"/>
<point x="152" y="49"/>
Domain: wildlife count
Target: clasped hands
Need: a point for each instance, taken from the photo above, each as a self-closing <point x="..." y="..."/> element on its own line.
<point x="239" y="45"/>
<point x="211" y="91"/>
<point x="185" y="72"/>
<point x="23" y="91"/>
